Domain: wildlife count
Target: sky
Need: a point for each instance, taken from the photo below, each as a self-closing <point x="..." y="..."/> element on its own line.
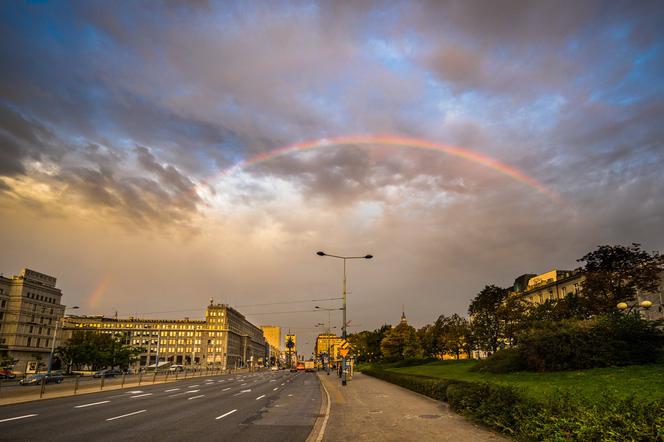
<point x="157" y="154"/>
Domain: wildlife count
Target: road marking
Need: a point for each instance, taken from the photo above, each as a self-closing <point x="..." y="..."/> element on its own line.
<point x="191" y="391"/>
<point x="275" y="388"/>
<point x="193" y="386"/>
<point x="171" y="389"/>
<point x="140" y="395"/>
<point x="19" y="417"/>
<point x="90" y="405"/>
<point x="195" y="397"/>
<point x="135" y="392"/>
<point x="125" y="415"/>
<point x="283" y="383"/>
<point x="218" y="382"/>
<point x="327" y="415"/>
<point x="242" y="385"/>
<point x="290" y="395"/>
<point x="226" y="389"/>
<point x="224" y="415"/>
<point x="260" y="397"/>
<point x="273" y="380"/>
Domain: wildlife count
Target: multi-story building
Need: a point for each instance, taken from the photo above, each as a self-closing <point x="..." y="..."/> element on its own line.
<point x="30" y="308"/>
<point x="272" y="335"/>
<point x="328" y="342"/>
<point x="552" y="285"/>
<point x="224" y="339"/>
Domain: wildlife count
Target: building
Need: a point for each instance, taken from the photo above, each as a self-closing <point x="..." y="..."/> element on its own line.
<point x="552" y="285"/>
<point x="225" y="339"/>
<point x="329" y="341"/>
<point x="30" y="308"/>
<point x="272" y="335"/>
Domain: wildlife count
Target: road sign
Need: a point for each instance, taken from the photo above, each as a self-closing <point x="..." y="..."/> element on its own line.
<point x="344" y="345"/>
<point x="343" y="352"/>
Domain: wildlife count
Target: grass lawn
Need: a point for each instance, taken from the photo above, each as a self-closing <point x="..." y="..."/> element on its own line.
<point x="643" y="381"/>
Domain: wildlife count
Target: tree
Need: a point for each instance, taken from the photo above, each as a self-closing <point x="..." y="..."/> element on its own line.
<point x="289" y="346"/>
<point x="400" y="342"/>
<point x="429" y="337"/>
<point x="486" y="320"/>
<point x="96" y="350"/>
<point x="617" y="274"/>
<point x="366" y="344"/>
<point x="454" y="332"/>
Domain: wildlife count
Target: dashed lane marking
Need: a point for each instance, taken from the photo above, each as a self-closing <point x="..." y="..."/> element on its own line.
<point x="225" y="414"/>
<point x="171" y="389"/>
<point x="18" y="417"/>
<point x="125" y="415"/>
<point x="195" y="397"/>
<point x="140" y="395"/>
<point x="92" y="404"/>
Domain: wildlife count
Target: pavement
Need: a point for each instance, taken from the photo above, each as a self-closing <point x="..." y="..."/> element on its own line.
<point x="268" y="405"/>
<point x="368" y="409"/>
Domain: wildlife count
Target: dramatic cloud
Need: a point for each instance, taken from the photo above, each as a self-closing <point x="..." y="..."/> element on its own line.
<point x="120" y="124"/>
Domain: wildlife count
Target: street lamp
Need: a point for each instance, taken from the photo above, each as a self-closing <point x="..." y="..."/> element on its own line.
<point x="343" y="324"/>
<point x="55" y="336"/>
<point x="645" y="305"/>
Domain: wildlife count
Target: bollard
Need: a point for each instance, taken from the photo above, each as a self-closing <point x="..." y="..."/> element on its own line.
<point x="123" y="379"/>
<point x="176" y="374"/>
<point x="166" y="379"/>
<point x="43" y="387"/>
<point x="140" y="376"/>
<point x="154" y="376"/>
<point x="76" y="383"/>
<point x="185" y="374"/>
<point x="101" y="387"/>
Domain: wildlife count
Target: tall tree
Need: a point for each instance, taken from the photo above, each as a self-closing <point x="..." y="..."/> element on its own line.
<point x="485" y="318"/>
<point x="616" y="274"/>
<point x="401" y="342"/>
<point x="454" y="332"/>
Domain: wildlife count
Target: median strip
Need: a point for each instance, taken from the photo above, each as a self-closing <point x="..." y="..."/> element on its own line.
<point x="226" y="414"/>
<point x="18" y="417"/>
<point x="92" y="404"/>
<point x="125" y="415"/>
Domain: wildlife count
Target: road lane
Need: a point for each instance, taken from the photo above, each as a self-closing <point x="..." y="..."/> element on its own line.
<point x="150" y="413"/>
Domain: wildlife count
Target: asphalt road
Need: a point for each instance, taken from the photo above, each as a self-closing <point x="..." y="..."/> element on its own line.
<point x="275" y="406"/>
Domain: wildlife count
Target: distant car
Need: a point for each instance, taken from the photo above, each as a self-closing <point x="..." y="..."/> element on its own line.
<point x="7" y="374"/>
<point x="300" y="366"/>
<point x="36" y="379"/>
<point x="274" y="368"/>
<point x="108" y="373"/>
<point x="176" y="368"/>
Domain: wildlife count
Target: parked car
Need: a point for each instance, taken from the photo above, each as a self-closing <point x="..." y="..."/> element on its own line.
<point x="176" y="368"/>
<point x="274" y="368"/>
<point x="36" y="379"/>
<point x="7" y="374"/>
<point x="300" y="366"/>
<point x="107" y="373"/>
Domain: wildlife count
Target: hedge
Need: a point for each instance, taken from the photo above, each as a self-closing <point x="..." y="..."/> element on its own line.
<point x="562" y="418"/>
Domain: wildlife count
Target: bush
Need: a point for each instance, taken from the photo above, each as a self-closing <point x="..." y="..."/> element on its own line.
<point x="560" y="419"/>
<point x="610" y="340"/>
<point x="503" y="361"/>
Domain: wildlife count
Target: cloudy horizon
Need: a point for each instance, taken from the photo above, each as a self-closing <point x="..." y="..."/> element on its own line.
<point x="125" y="132"/>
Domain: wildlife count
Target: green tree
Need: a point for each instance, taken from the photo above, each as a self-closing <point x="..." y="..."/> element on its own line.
<point x="616" y="274"/>
<point x="455" y="330"/>
<point x="400" y="342"/>
<point x="290" y="344"/>
<point x="366" y="344"/>
<point x="486" y="319"/>
<point x="96" y="350"/>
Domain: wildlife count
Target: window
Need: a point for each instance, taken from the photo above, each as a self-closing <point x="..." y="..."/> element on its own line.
<point x="29" y="341"/>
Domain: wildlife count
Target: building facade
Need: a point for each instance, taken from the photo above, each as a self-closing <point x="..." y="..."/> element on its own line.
<point x="30" y="308"/>
<point x="328" y="344"/>
<point x="552" y="285"/>
<point x="225" y="339"/>
<point x="272" y="335"/>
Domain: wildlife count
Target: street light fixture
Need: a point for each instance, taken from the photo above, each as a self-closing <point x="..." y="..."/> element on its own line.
<point x="55" y="336"/>
<point x="343" y="325"/>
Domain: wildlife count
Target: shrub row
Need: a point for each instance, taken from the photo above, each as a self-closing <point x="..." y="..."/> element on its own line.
<point x="562" y="418"/>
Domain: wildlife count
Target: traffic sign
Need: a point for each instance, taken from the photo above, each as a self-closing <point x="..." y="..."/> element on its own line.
<point x="344" y="344"/>
<point x="343" y="352"/>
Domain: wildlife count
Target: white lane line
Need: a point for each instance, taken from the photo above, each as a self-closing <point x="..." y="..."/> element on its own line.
<point x="193" y="386"/>
<point x="226" y="389"/>
<point x="275" y="388"/>
<point x="226" y="414"/>
<point x="191" y="391"/>
<point x="327" y="415"/>
<point x="218" y="382"/>
<point x="140" y="395"/>
<point x="260" y="397"/>
<point x="283" y="383"/>
<point x="195" y="397"/>
<point x="18" y="417"/>
<point x="135" y="392"/>
<point x="171" y="389"/>
<point x="209" y="383"/>
<point x="273" y="380"/>
<point x="290" y="395"/>
<point x="125" y="415"/>
<point x="90" y="405"/>
<point x="242" y="385"/>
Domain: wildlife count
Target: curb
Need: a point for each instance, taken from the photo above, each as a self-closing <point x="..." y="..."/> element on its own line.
<point x="318" y="430"/>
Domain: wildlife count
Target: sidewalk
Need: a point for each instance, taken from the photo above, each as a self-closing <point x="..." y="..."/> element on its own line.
<point x="368" y="409"/>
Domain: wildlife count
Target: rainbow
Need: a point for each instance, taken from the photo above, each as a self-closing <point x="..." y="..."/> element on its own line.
<point x="390" y="140"/>
<point x="97" y="293"/>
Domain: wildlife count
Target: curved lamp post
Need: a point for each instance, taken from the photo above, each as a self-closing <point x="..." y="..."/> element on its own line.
<point x="343" y="324"/>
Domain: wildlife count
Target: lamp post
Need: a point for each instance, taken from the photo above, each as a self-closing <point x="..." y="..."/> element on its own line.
<point x="343" y="324"/>
<point x="645" y="305"/>
<point x="55" y="336"/>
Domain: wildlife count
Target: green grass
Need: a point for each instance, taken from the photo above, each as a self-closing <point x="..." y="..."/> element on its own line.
<point x="642" y="381"/>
